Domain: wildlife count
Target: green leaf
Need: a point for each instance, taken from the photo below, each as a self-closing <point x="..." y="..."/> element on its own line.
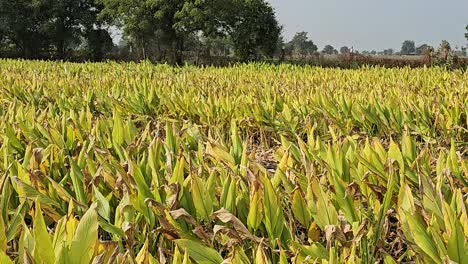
<point x="32" y="194"/>
<point x="422" y="239"/>
<point x="3" y="237"/>
<point x="228" y="195"/>
<point x="254" y="218"/>
<point x="274" y="218"/>
<point x="15" y="222"/>
<point x="323" y="211"/>
<point x="283" y="258"/>
<point x="103" y="207"/>
<point x="201" y="199"/>
<point x="177" y="257"/>
<point x="236" y="150"/>
<point x="219" y="154"/>
<point x="456" y="247"/>
<point x="43" y="250"/>
<point x="111" y="229"/>
<point x="4" y="259"/>
<point x="395" y="153"/>
<point x="315" y="251"/>
<point x="85" y="238"/>
<point x="178" y="174"/>
<point x="59" y="240"/>
<point x="77" y="180"/>
<point x="200" y="253"/>
<point x="142" y="256"/>
<point x="117" y="130"/>
<point x="300" y="209"/>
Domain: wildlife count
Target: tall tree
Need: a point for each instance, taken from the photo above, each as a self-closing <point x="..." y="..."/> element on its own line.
<point x="344" y="50"/>
<point x="22" y="26"/>
<point x="408" y="47"/>
<point x="168" y="22"/>
<point x="388" y="52"/>
<point x="98" y="43"/>
<point x="140" y="20"/>
<point x="444" y="49"/>
<point x="328" y="49"/>
<point x="423" y="49"/>
<point x="466" y="34"/>
<point x="251" y="24"/>
<point x="38" y="28"/>
<point x="301" y="45"/>
<point x="255" y="31"/>
<point x="64" y="29"/>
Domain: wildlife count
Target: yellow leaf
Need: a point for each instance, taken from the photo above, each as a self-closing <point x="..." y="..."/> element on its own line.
<point x="3" y="239"/>
<point x="4" y="259"/>
<point x="85" y="238"/>
<point x="314" y="232"/>
<point x="142" y="257"/>
<point x="43" y="250"/>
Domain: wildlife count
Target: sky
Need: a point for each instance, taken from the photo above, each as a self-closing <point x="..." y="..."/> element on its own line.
<point x="374" y="24"/>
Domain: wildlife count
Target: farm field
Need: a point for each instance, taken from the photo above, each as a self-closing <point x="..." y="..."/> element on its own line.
<point x="137" y="163"/>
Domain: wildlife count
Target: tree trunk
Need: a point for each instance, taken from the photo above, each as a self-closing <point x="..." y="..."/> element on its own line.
<point x="143" y="50"/>
<point x="178" y="51"/>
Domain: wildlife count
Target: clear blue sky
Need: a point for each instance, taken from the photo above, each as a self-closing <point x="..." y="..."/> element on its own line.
<point x="375" y="24"/>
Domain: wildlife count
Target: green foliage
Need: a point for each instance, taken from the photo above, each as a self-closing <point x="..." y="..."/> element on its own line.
<point x="408" y="47"/>
<point x="424" y="49"/>
<point x="250" y="24"/>
<point x="38" y="28"/>
<point x="136" y="163"/>
<point x="328" y="49"/>
<point x="300" y="45"/>
<point x="466" y="34"/>
<point x="255" y="31"/>
<point x="344" y="50"/>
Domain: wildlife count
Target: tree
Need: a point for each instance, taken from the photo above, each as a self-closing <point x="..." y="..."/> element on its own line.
<point x="423" y="49"/>
<point x="466" y="34"/>
<point x="40" y="28"/>
<point x="72" y="23"/>
<point x="98" y="43"/>
<point x="328" y="49"/>
<point x="388" y="52"/>
<point x="444" y="49"/>
<point x="255" y="31"/>
<point x="408" y="47"/>
<point x="251" y="24"/>
<point x="145" y="21"/>
<point x="22" y="26"/>
<point x="300" y="45"/>
<point x="344" y="50"/>
<point x="445" y="46"/>
<point x="64" y="29"/>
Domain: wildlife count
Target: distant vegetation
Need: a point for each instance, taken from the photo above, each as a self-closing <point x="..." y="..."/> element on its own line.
<point x="197" y="32"/>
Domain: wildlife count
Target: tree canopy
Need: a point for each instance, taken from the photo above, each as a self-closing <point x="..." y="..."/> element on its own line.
<point x="408" y="47"/>
<point x="423" y="49"/>
<point x="344" y="50"/>
<point x="53" y="28"/>
<point x="250" y="24"/>
<point x="158" y="30"/>
<point x="37" y="28"/>
<point x="329" y="49"/>
<point x="466" y="34"/>
<point x="301" y="45"/>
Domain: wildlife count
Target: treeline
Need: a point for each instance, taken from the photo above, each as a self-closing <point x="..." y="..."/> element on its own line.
<point x="51" y="29"/>
<point x="178" y="31"/>
<point x="158" y="30"/>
